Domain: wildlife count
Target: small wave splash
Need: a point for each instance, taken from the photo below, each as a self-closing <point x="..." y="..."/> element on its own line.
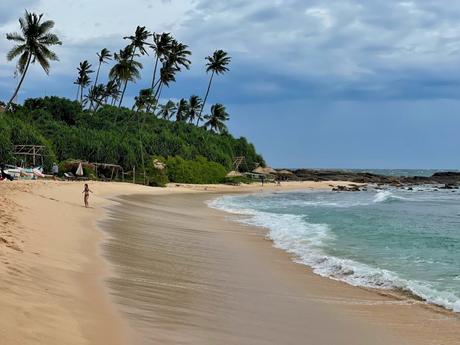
<point x="308" y="241"/>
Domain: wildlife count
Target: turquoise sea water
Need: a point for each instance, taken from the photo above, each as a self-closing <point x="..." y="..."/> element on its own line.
<point x="389" y="239"/>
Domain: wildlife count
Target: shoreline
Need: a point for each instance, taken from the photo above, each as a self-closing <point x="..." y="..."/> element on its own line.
<point x="72" y="304"/>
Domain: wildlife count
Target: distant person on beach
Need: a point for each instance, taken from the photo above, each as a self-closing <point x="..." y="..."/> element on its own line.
<point x="262" y="179"/>
<point x="86" y="196"/>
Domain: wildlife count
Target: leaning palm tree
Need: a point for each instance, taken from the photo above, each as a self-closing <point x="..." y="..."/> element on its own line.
<point x="217" y="64"/>
<point x="112" y="90"/>
<point x="194" y="108"/>
<point x="144" y="101"/>
<point x="178" y="54"/>
<point x="167" y="75"/>
<point x="103" y="57"/>
<point x="126" y="68"/>
<point x="95" y="97"/>
<point x="83" y="80"/>
<point x="167" y="110"/>
<point x="32" y="45"/>
<point x="161" y="46"/>
<point x="216" y="120"/>
<point x="138" y="42"/>
<point x="182" y="110"/>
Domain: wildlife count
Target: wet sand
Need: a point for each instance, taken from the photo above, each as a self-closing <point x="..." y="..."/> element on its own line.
<point x="188" y="275"/>
<point x="176" y="272"/>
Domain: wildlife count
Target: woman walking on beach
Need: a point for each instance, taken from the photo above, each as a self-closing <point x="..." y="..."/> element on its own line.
<point x="86" y="196"/>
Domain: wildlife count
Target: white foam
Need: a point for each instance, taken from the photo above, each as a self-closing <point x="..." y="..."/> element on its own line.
<point x="307" y="241"/>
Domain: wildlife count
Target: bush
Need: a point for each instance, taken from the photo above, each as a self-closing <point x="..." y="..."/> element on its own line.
<point x="112" y="135"/>
<point x="198" y="171"/>
<point x="156" y="177"/>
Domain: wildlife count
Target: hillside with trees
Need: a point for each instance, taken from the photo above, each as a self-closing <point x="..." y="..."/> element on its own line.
<point x="98" y="126"/>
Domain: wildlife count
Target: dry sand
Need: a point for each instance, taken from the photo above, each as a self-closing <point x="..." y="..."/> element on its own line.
<point x="241" y="292"/>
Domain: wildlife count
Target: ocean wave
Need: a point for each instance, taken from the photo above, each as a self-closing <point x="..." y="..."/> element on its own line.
<point x="307" y="242"/>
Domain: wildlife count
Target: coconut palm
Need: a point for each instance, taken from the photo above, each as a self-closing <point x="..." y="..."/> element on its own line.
<point x="95" y="97"/>
<point x="32" y="46"/>
<point x="217" y="64"/>
<point x="216" y="120"/>
<point x="138" y="42"/>
<point x="167" y="110"/>
<point x="126" y="68"/>
<point x="144" y="101"/>
<point x="112" y="90"/>
<point x="103" y="57"/>
<point x="178" y="54"/>
<point x="161" y="46"/>
<point x="194" y="108"/>
<point x="167" y="75"/>
<point x="182" y="110"/>
<point x="83" y="80"/>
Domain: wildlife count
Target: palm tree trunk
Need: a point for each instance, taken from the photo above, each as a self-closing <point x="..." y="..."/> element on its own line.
<point x="123" y="93"/>
<point x="207" y="93"/>
<point x="126" y="82"/>
<point x="20" y="82"/>
<point x="157" y="93"/>
<point x="97" y="74"/>
<point x="154" y="74"/>
<point x="95" y="83"/>
<point x="81" y="94"/>
<point x="78" y="92"/>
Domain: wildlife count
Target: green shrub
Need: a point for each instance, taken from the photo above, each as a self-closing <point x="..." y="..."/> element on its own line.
<point x="113" y="135"/>
<point x="198" y="171"/>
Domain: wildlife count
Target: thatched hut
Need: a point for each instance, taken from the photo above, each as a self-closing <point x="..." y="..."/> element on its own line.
<point x="264" y="171"/>
<point x="234" y="173"/>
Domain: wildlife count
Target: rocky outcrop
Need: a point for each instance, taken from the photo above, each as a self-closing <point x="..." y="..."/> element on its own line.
<point x="448" y="178"/>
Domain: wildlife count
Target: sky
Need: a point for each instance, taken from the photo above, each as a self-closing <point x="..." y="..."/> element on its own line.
<point x="319" y="84"/>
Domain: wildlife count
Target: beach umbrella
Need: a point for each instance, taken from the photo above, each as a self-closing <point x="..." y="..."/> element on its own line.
<point x="79" y="170"/>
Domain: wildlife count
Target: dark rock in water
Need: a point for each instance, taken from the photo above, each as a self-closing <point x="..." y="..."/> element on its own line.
<point x="449" y="186"/>
<point x="446" y="178"/>
<point x="410" y="188"/>
<point x="350" y="188"/>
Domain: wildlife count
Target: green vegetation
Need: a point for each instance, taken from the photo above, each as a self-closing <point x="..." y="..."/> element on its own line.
<point x="196" y="147"/>
<point x="113" y="135"/>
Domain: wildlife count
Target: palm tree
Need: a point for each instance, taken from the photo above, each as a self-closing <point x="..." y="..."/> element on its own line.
<point x="217" y="118"/>
<point x="178" y="54"/>
<point x="32" y="45"/>
<point x="84" y="70"/>
<point x="103" y="56"/>
<point x="175" y="57"/>
<point x="138" y="41"/>
<point x="182" y="110"/>
<point x="112" y="89"/>
<point x="167" y="75"/>
<point x="217" y="64"/>
<point x="167" y="110"/>
<point x="194" y="107"/>
<point x="145" y="101"/>
<point x="96" y="96"/>
<point x="161" y="46"/>
<point x="126" y="69"/>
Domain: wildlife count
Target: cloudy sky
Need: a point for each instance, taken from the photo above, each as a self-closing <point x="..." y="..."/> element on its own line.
<point x="350" y="83"/>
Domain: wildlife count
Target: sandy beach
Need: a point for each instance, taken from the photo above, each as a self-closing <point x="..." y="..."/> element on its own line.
<point x="207" y="280"/>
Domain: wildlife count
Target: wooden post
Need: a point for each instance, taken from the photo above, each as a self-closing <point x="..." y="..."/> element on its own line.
<point x="33" y="155"/>
<point x="134" y="175"/>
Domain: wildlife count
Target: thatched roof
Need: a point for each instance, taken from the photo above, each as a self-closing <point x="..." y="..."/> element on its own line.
<point x="264" y="171"/>
<point x="158" y="165"/>
<point x="284" y="172"/>
<point x="234" y="173"/>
